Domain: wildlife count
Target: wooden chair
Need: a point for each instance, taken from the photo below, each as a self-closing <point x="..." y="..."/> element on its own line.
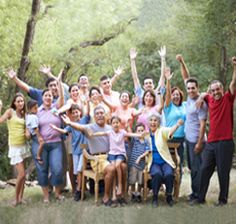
<point x="89" y="173"/>
<point x="173" y="147"/>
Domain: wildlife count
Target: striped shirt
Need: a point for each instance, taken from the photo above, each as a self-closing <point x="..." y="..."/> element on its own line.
<point x="137" y="149"/>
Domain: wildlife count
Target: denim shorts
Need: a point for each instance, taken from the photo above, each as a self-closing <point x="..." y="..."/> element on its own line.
<point x="120" y="157"/>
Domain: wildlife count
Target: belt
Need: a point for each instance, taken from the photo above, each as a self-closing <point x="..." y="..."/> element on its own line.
<point x="98" y="154"/>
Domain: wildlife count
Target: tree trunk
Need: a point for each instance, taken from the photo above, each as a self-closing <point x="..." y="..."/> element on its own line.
<point x="29" y="34"/>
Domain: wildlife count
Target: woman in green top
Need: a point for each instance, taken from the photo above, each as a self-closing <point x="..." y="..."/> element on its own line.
<point x="15" y="117"/>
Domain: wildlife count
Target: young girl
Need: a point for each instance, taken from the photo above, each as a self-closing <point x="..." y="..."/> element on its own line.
<point x="15" y="117"/>
<point x="117" y="153"/>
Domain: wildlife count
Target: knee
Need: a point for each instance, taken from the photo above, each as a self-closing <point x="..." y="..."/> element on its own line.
<point x="124" y="166"/>
<point x="21" y="175"/>
<point x="110" y="170"/>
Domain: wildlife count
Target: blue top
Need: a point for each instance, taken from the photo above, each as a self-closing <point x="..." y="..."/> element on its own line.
<point x="156" y="157"/>
<point x="172" y="114"/>
<point x="138" y="148"/>
<point x="193" y="117"/>
<point x="78" y="137"/>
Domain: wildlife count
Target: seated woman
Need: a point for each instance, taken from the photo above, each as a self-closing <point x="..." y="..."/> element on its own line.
<point x="160" y="162"/>
<point x="52" y="149"/>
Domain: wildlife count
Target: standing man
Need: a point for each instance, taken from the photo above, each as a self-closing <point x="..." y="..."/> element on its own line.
<point x="195" y="125"/>
<point x="220" y="145"/>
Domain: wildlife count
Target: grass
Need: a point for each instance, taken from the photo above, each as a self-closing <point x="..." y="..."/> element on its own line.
<point x="70" y="211"/>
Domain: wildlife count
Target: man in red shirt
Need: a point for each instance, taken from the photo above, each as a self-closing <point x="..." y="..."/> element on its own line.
<point x="220" y="145"/>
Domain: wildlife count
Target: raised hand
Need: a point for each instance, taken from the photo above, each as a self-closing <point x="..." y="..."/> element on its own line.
<point x="179" y="57"/>
<point x="168" y="75"/>
<point x="53" y="126"/>
<point x="118" y="71"/>
<point x="132" y="53"/>
<point x="162" y="52"/>
<point x="180" y="122"/>
<point x="45" y="69"/>
<point x="11" y="73"/>
<point x="66" y="119"/>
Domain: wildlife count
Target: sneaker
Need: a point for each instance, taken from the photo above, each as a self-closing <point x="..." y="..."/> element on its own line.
<point x="77" y="195"/>
<point x="220" y="203"/>
<point x="139" y="198"/>
<point x="133" y="197"/>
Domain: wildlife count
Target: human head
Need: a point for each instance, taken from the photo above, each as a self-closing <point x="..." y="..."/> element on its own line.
<point x="52" y="85"/>
<point x="76" y="112"/>
<point x="105" y="84"/>
<point x="177" y="96"/>
<point x="216" y="89"/>
<point x="32" y="106"/>
<point x="115" y="122"/>
<point x="139" y="128"/>
<point x="47" y="97"/>
<point x="124" y="98"/>
<point x="192" y="87"/>
<point x="94" y="93"/>
<point x="149" y="98"/>
<point x="18" y="103"/>
<point x="148" y="83"/>
<point x="154" y="122"/>
<point x="83" y="81"/>
<point x="74" y="91"/>
<point x="99" y="116"/>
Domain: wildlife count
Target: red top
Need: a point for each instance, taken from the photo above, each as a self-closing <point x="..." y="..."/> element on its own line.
<point x="221" y="117"/>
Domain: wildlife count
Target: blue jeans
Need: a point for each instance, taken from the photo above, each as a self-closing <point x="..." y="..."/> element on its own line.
<point x="162" y="174"/>
<point x="52" y="159"/>
<point x="194" y="161"/>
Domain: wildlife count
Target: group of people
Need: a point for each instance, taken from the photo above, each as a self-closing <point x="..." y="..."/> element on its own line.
<point x="60" y="119"/>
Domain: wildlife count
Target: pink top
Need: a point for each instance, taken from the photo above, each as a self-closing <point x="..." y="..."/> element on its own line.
<point x="125" y="116"/>
<point x="117" y="142"/>
<point x="144" y="116"/>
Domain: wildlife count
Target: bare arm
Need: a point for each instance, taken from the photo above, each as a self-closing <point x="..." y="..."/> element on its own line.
<point x="175" y="127"/>
<point x="133" y="55"/>
<point x="39" y="137"/>
<point x="168" y="87"/>
<point x="65" y="107"/>
<point x="142" y="156"/>
<point x="62" y="131"/>
<point x="184" y="69"/>
<point x="117" y="73"/>
<point x="60" y="101"/>
<point x="6" y="115"/>
<point x="22" y="85"/>
<point x="74" y="125"/>
<point x="198" y="146"/>
<point x="97" y="134"/>
<point x="162" y="53"/>
<point x="232" y="86"/>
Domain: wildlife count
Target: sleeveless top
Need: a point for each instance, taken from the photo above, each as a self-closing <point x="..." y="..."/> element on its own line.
<point x="16" y="130"/>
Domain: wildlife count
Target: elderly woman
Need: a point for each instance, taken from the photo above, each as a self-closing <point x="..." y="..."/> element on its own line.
<point x="15" y="117"/>
<point x="52" y="149"/>
<point x="160" y="163"/>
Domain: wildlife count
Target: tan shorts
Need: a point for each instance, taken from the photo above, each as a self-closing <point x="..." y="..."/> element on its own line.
<point x="100" y="165"/>
<point x="135" y="175"/>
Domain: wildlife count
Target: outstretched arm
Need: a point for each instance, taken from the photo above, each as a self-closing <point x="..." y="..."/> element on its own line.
<point x="175" y="127"/>
<point x="184" y="69"/>
<point x="62" y="131"/>
<point x="133" y="55"/>
<point x="22" y="85"/>
<point x="74" y="125"/>
<point x="117" y="73"/>
<point x="232" y="86"/>
<point x="162" y="53"/>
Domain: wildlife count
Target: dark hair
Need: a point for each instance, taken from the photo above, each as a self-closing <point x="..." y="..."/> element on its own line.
<point x="45" y="90"/>
<point x="104" y="77"/>
<point x="49" y="80"/>
<point x="115" y="118"/>
<point x="139" y="125"/>
<point x="147" y="77"/>
<point x="13" y="106"/>
<point x="180" y="93"/>
<point x="71" y="86"/>
<point x="76" y="107"/>
<point x="94" y="88"/>
<point x="152" y="94"/>
<point x="216" y="81"/>
<point x="127" y="92"/>
<point x="83" y="74"/>
<point x="193" y="80"/>
<point x="31" y="104"/>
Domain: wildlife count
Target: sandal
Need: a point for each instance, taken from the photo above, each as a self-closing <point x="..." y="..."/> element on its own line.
<point x="114" y="203"/>
<point x="107" y="203"/>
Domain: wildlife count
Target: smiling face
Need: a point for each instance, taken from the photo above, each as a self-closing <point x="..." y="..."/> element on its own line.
<point x="154" y="123"/>
<point x="83" y="82"/>
<point x="99" y="116"/>
<point x="76" y="114"/>
<point x="148" y="84"/>
<point x="74" y="92"/>
<point x="19" y="103"/>
<point x="53" y="87"/>
<point x="124" y="99"/>
<point x="94" y="95"/>
<point x="216" y="90"/>
<point x="192" y="90"/>
<point x="47" y="98"/>
<point x="106" y="85"/>
<point x="175" y="97"/>
<point x="115" y="123"/>
<point x="149" y="99"/>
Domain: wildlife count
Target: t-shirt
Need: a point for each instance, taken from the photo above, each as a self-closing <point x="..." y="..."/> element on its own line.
<point x="193" y="117"/>
<point x="117" y="142"/>
<point x="172" y="114"/>
<point x="32" y="122"/>
<point x="78" y="137"/>
<point x="137" y="149"/>
<point x="98" y="144"/>
<point x="113" y="98"/>
<point x="221" y="117"/>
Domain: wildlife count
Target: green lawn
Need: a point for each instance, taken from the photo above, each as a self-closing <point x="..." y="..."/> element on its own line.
<point x="86" y="212"/>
